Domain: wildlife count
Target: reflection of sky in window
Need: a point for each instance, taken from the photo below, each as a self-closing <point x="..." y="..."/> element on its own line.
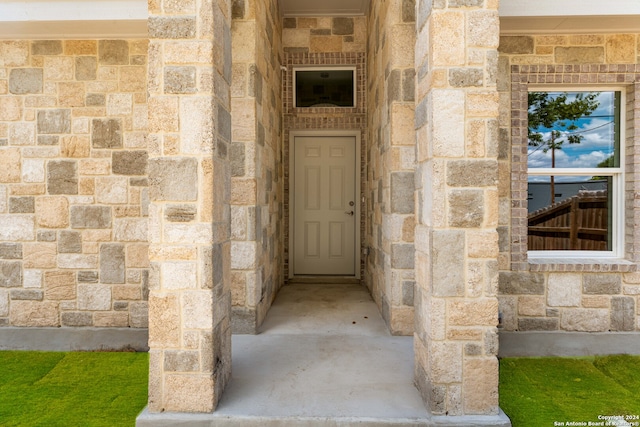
<point x="596" y="146"/>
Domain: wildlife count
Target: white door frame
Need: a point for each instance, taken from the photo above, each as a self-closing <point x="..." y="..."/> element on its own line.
<point x="358" y="196"/>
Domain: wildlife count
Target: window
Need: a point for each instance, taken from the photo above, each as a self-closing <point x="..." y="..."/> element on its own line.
<point x="325" y="87"/>
<point x="575" y="173"/>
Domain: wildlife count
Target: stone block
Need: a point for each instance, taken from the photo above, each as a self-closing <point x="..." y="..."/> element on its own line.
<point x="480" y="386"/>
<point x="516" y="45"/>
<point x="71" y="94"/>
<point x="130" y="229"/>
<point x="96" y="100"/>
<point x="137" y="256"/>
<point x="446" y="362"/>
<point x="180" y="80"/>
<point x="621" y="48"/>
<point x="62" y="177"/>
<point x="564" y="290"/>
<point x="33" y="170"/>
<point x="601" y="284"/>
<point x="69" y="242"/>
<point x="342" y="26"/>
<point x="25" y="81"/>
<point x="585" y="320"/>
<point x="408" y="10"/>
<point x="448" y="271"/>
<point x="52" y="211"/>
<point x="173" y="179"/>
<point x="75" y="146"/>
<point x="106" y="133"/>
<point x="537" y="324"/>
<point x="4" y="302"/>
<point x="466" y="208"/>
<point x="479" y="312"/>
<point x="408" y="84"/>
<point x="172" y="27"/>
<point x="10" y="161"/>
<point x="180" y="213"/>
<point x="90" y="217"/>
<point x="181" y="361"/>
<point x="521" y="283"/>
<point x="579" y="55"/>
<point x="39" y="255"/>
<point x="34" y="313"/>
<point x="48" y="140"/>
<point x="111" y="319"/>
<point x="466" y="77"/>
<point x="402" y="256"/>
<point x="138" y="315"/>
<point x="10" y="108"/>
<point x="112" y="263"/>
<point x="86" y="68"/>
<point x="623" y="315"/>
<point x="472" y="173"/>
<point x="88" y="276"/>
<point x="10" y="251"/>
<point x="75" y="261"/>
<point x="76" y="318"/>
<point x="113" y="52"/>
<point x="22" y="204"/>
<point x="17" y="228"/>
<point x="111" y="190"/>
<point x="189" y="393"/>
<point x="46" y="47"/>
<point x="94" y="297"/>
<point x="10" y="274"/>
<point x="164" y="321"/>
<point x="402" y="192"/>
<point x="22" y="134"/>
<point x="14" y="53"/>
<point x="531" y="306"/>
<point x="60" y="285"/>
<point x="119" y="104"/>
<point x="54" y="121"/>
<point x="46" y="236"/>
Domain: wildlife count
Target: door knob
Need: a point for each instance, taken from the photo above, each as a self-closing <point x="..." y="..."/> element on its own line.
<point x="349" y="212"/>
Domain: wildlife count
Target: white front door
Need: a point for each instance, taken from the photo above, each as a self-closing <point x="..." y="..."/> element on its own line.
<point x="324" y="208"/>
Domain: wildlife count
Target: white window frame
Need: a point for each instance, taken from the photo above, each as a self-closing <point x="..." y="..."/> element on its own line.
<point x="617" y="174"/>
<point x="327" y="68"/>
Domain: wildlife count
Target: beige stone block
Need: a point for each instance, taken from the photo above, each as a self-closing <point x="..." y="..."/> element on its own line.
<point x="126" y="293"/>
<point x="10" y="162"/>
<point x="475" y="144"/>
<point x="621" y="48"/>
<point x="445" y="362"/>
<point x="243" y="41"/>
<point x="10" y="108"/>
<point x="94" y="297"/>
<point x="174" y="253"/>
<point x="58" y="68"/>
<point x="130" y="229"/>
<point x="188" y="52"/>
<point x="119" y="104"/>
<point x="596" y="301"/>
<point x="631" y="278"/>
<point x="531" y="306"/>
<point x="293" y="37"/>
<point x="60" y="285"/>
<point x="584" y="39"/>
<point x="483" y="28"/>
<point x="408" y="229"/>
<point x="94" y="166"/>
<point x="32" y="279"/>
<point x="447" y="34"/>
<point x="34" y="313"/>
<point x="579" y="55"/>
<point x="189" y="393"/>
<point x="27" y="189"/>
<point x="544" y="50"/>
<point x="80" y="47"/>
<point x="197" y="309"/>
<point x="447" y="110"/>
<point x="137" y="256"/>
<point x="402" y="321"/>
<point x="111" y="319"/>
<point x="243" y="255"/>
<point x="585" y="320"/>
<point x="14" y="53"/>
<point x="196" y="125"/>
<point x="403" y="40"/>
<point x="178" y="275"/>
<point x="551" y="40"/>
<point x="111" y="190"/>
<point x="477" y="312"/>
<point x="483" y="104"/>
<point x="564" y="290"/>
<point x="480" y="386"/>
<point x="243" y="192"/>
<point x="71" y="94"/>
<point x="238" y="289"/>
<point x="76" y="261"/>
<point x="39" y="255"/>
<point x="52" y="211"/>
<point x="325" y="44"/>
<point x="464" y="334"/>
<point x="402" y="125"/>
<point x="163" y="114"/>
<point x="75" y="146"/>
<point x="96" y="235"/>
<point x="243" y="119"/>
<point x="482" y="244"/>
<point x="22" y="134"/>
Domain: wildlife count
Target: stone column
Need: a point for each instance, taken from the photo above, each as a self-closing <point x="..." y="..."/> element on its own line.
<point x="190" y="132"/>
<point x="457" y="204"/>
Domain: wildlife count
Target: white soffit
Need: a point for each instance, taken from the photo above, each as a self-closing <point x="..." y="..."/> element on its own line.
<point x="41" y="19"/>
<point x="569" y="16"/>
<point x="292" y="8"/>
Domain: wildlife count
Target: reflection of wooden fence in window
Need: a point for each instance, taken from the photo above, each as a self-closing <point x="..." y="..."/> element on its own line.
<point x="577" y="223"/>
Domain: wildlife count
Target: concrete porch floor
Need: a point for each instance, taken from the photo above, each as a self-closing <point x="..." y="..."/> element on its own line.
<point x="323" y="357"/>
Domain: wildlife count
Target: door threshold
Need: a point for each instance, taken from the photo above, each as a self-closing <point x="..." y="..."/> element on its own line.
<point x="331" y="280"/>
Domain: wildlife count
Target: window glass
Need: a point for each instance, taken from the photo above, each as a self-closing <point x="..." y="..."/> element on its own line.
<point x="574" y="170"/>
<point x="324" y="88"/>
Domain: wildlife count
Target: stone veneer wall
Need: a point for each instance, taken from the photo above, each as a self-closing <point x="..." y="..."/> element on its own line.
<point x="456" y="241"/>
<point x="257" y="247"/>
<point x="189" y="188"/>
<point x="73" y="183"/>
<point x="579" y="295"/>
<point x="391" y="159"/>
<point x="331" y="42"/>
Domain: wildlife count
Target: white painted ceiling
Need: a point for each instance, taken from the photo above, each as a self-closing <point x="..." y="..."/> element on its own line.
<point x="324" y="7"/>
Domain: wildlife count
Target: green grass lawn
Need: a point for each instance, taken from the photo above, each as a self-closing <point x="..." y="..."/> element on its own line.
<point x="110" y="389"/>
<point x="541" y="391"/>
<point x="72" y="389"/>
